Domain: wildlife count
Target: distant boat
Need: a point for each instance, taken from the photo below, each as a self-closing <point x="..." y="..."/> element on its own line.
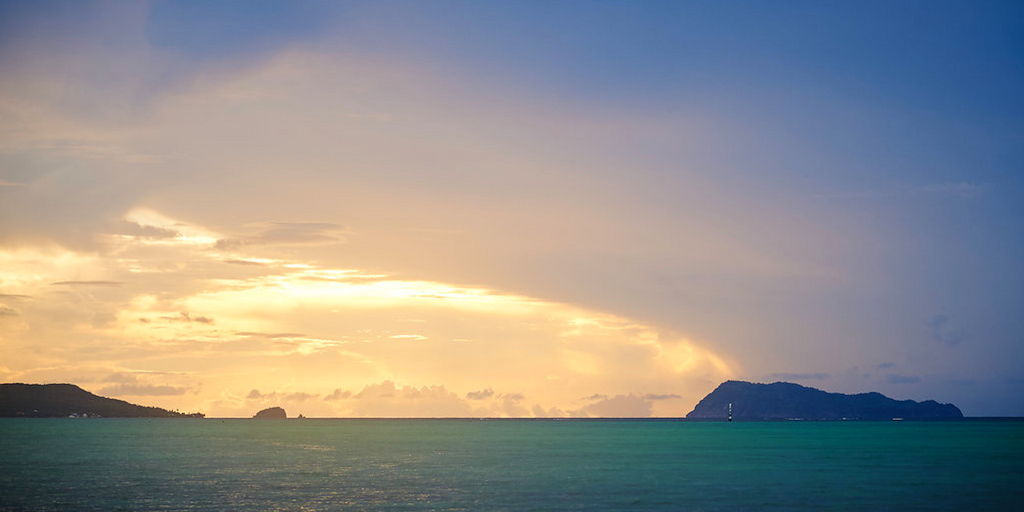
<point x="897" y="419"/>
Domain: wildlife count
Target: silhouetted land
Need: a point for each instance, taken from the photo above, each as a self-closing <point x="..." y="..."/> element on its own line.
<point x="785" y="400"/>
<point x="273" y="413"/>
<point x="63" y="400"/>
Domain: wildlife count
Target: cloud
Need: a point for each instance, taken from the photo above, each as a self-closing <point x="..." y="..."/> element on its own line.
<point x="251" y="263"/>
<point x="417" y="337"/>
<point x="798" y="376"/>
<point x="122" y="378"/>
<point x="146" y="232"/>
<point x="944" y="332"/>
<point x="128" y="384"/>
<point x="339" y="394"/>
<point x="87" y="283"/>
<point x="8" y="296"/>
<point x="298" y="396"/>
<point x="893" y="378"/>
<point x="409" y="223"/>
<point x="661" y="397"/>
<point x="554" y="412"/>
<point x="885" y="366"/>
<point x="288" y="233"/>
<point x="595" y="396"/>
<point x="142" y="390"/>
<point x="7" y="311"/>
<point x="480" y="395"/>
<point x="510" y="405"/>
<point x="386" y="400"/>
<point x="185" y="316"/>
<point x="270" y="335"/>
<point x="620" y="406"/>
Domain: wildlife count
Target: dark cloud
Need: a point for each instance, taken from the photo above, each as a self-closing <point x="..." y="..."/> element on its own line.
<point x="148" y="232"/>
<point x="8" y="296"/>
<point x="271" y="335"/>
<point x="142" y="390"/>
<point x="289" y="233"/>
<point x="6" y="311"/>
<point x="480" y="395"/>
<point x="893" y="378"/>
<point x="185" y="316"/>
<point x="254" y="395"/>
<point x="88" y="283"/>
<point x="884" y="366"/>
<point x="943" y="331"/>
<point x="595" y="397"/>
<point x="515" y="397"/>
<point x="798" y="376"/>
<point x="660" y="397"/>
<point x="246" y="262"/>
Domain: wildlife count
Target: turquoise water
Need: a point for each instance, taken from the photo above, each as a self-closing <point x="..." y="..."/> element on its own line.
<point x="181" y="464"/>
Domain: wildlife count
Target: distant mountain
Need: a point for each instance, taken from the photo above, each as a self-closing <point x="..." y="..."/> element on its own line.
<point x="273" y="413"/>
<point x="784" y="400"/>
<point x="63" y="400"/>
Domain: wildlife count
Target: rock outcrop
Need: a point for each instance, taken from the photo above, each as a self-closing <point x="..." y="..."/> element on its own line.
<point x="273" y="413"/>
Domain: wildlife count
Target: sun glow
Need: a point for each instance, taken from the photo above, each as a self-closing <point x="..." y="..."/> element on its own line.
<point x="319" y="338"/>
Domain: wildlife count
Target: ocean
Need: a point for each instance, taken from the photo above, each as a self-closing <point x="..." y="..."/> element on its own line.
<point x="350" y="464"/>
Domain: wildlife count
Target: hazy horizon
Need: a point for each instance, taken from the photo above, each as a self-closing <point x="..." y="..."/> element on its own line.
<point x="511" y="209"/>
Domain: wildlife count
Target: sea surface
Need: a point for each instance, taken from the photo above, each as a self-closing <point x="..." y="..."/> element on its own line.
<point x="347" y="464"/>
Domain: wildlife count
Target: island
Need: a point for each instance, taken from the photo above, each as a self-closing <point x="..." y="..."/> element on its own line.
<point x="273" y="413"/>
<point x="68" y="400"/>
<point x="785" y="400"/>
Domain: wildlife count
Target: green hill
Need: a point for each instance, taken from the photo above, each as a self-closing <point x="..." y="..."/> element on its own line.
<point x="63" y="400"/>
<point x="782" y="400"/>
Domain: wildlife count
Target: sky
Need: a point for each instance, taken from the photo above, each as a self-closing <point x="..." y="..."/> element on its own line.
<point x="511" y="209"/>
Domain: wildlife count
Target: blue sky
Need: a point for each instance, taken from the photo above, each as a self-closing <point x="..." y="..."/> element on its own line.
<point x="829" y="193"/>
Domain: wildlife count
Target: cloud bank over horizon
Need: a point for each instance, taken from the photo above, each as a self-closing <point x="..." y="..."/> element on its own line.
<point x="177" y="320"/>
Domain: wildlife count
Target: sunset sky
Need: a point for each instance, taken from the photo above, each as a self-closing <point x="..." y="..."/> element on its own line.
<point x="477" y="208"/>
